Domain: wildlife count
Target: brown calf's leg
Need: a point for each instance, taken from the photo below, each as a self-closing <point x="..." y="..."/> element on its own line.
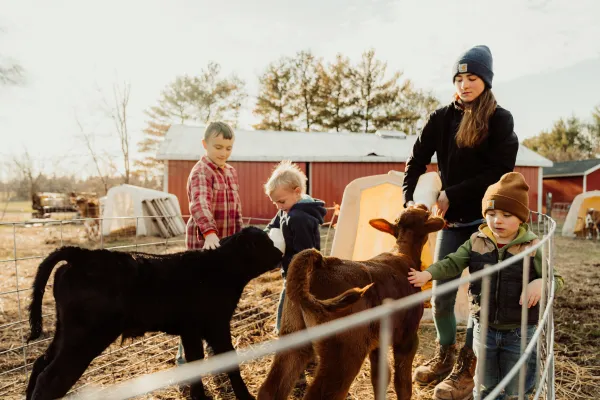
<point x="404" y="354"/>
<point x="284" y="372"/>
<point x="339" y="363"/>
<point x="374" y="359"/>
<point x="287" y="366"/>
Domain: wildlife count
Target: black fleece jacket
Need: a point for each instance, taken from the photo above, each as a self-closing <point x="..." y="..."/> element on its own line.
<point x="466" y="173"/>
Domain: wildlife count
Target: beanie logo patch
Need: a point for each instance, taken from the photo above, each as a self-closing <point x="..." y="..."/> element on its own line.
<point x="490" y="205"/>
<point x="462" y="68"/>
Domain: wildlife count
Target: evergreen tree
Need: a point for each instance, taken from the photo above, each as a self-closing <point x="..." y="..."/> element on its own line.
<point x="337" y="94"/>
<point x="275" y="102"/>
<point x="307" y="94"/>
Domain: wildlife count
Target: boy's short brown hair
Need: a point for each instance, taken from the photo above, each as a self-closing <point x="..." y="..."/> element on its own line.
<point x="215" y="129"/>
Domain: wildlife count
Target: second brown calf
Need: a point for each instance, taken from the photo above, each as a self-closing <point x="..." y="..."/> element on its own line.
<point x="321" y="289"/>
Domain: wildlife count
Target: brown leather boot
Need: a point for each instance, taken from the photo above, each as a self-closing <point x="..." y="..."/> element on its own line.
<point x="459" y="384"/>
<point x="436" y="368"/>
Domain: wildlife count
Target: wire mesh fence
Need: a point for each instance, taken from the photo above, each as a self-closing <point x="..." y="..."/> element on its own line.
<point x="24" y="244"/>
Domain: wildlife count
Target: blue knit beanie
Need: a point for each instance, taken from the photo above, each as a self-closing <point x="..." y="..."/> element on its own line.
<point x="477" y="61"/>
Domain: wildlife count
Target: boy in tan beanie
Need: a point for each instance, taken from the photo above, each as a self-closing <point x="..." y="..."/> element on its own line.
<point x="505" y="233"/>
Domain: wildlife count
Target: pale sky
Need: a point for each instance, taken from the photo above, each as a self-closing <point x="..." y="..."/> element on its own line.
<point x="72" y="49"/>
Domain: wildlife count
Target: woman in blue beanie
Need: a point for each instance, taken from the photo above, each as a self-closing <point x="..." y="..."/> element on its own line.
<point x="475" y="144"/>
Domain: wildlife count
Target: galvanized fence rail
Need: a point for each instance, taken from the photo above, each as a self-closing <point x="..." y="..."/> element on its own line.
<point x="542" y="340"/>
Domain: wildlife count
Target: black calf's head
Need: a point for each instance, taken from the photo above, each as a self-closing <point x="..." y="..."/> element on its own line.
<point x="255" y="249"/>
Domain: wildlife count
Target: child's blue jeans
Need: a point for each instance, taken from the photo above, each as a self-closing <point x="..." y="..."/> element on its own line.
<point x="503" y="350"/>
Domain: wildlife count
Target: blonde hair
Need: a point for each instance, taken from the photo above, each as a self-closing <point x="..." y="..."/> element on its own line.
<point x="288" y="175"/>
<point x="474" y="126"/>
<point x="218" y="129"/>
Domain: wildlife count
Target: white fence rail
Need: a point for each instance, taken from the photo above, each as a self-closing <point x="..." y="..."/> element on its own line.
<point x="543" y="339"/>
<point x="14" y="376"/>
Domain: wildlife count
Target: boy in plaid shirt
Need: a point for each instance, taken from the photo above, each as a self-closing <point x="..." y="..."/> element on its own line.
<point x="213" y="195"/>
<point x="213" y="192"/>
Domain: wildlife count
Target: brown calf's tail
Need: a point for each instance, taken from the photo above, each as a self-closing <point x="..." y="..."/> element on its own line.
<point x="298" y="285"/>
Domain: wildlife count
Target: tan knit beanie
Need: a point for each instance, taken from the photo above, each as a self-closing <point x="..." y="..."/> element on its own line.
<point x="509" y="194"/>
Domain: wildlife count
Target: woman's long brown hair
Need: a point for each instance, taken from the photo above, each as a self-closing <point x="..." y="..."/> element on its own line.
<point x="473" y="128"/>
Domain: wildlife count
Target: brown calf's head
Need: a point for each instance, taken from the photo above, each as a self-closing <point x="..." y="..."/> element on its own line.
<point x="414" y="222"/>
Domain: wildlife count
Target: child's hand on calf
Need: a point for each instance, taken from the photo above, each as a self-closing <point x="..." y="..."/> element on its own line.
<point x="534" y="293"/>
<point x="418" y="278"/>
<point x="211" y="241"/>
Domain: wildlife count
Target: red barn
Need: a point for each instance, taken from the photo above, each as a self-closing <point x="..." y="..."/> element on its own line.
<point x="565" y="180"/>
<point x="330" y="161"/>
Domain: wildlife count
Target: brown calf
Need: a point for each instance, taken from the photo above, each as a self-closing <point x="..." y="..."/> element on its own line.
<point x="320" y="289"/>
<point x="89" y="208"/>
<point x="591" y="224"/>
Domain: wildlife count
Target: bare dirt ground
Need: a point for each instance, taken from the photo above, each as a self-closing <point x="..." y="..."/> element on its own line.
<point x="577" y="321"/>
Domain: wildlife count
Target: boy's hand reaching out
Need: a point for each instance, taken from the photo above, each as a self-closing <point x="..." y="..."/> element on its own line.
<point x="418" y="278"/>
<point x="534" y="293"/>
<point x="211" y="242"/>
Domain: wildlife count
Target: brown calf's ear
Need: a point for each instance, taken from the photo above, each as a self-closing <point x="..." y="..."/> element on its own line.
<point x="421" y="206"/>
<point x="383" y="225"/>
<point x="434" y="224"/>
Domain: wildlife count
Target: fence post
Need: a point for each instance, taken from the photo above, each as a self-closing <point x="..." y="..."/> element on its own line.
<point x="23" y="343"/>
<point x="550" y="339"/>
<point x="483" y="330"/>
<point x="524" y="325"/>
<point x="544" y="293"/>
<point x="385" y="341"/>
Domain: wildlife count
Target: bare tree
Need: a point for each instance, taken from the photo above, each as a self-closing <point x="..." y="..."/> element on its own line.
<point x="26" y="169"/>
<point x="118" y="114"/>
<point x="88" y="141"/>
<point x="11" y="73"/>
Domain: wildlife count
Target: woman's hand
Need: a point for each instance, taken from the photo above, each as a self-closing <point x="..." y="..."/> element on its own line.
<point x="442" y="202"/>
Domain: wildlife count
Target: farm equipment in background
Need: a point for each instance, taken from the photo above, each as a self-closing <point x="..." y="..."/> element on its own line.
<point x="79" y="205"/>
<point x="46" y="203"/>
<point x="85" y="204"/>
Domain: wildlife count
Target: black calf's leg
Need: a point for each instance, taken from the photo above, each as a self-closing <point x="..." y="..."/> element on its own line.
<point x="194" y="350"/>
<point x="75" y="353"/>
<point x="219" y="338"/>
<point x="43" y="361"/>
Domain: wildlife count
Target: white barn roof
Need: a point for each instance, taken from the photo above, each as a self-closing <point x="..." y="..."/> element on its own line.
<point x="183" y="142"/>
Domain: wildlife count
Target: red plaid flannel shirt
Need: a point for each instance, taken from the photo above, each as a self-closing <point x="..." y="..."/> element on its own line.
<point x="215" y="206"/>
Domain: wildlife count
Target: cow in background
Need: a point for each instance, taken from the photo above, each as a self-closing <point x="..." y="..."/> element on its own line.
<point x="591" y="225"/>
